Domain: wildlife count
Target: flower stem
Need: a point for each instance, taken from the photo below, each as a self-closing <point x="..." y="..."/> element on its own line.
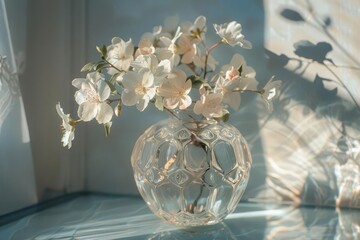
<point x="172" y="113"/>
<point x="111" y="64"/>
<point x="262" y="91"/>
<point x="208" y="50"/>
<point x="192" y="68"/>
<point x="214" y="46"/>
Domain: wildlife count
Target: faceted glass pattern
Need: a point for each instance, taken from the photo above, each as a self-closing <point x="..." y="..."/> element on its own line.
<point x="191" y="173"/>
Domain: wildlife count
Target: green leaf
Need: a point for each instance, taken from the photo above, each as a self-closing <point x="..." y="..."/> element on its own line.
<point x="107" y="127"/>
<point x="101" y="66"/>
<point x="240" y="70"/>
<point x="196" y="81"/>
<point x="159" y="103"/>
<point x="114" y="77"/>
<point x="226" y="117"/>
<point x="102" y="50"/>
<point x="88" y="67"/>
<point x="192" y="78"/>
<point x="207" y="86"/>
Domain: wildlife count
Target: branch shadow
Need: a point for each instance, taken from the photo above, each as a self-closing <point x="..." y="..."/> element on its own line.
<point x="312" y="152"/>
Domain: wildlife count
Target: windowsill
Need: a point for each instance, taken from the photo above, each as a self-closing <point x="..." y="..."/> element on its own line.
<point x="99" y="216"/>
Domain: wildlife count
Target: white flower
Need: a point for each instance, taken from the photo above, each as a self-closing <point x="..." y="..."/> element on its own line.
<point x="68" y="127"/>
<point x="138" y="89"/>
<point x="187" y="49"/>
<point x="231" y="34"/>
<point x="145" y="47"/>
<point x="196" y="31"/>
<point x="175" y="91"/>
<point x="232" y="74"/>
<point x="171" y="47"/>
<point x="120" y="54"/>
<point x="269" y="92"/>
<point x="238" y="61"/>
<point x="226" y="87"/>
<point x="151" y="63"/>
<point x="209" y="105"/>
<point x="247" y="77"/>
<point x="153" y="36"/>
<point x="91" y="96"/>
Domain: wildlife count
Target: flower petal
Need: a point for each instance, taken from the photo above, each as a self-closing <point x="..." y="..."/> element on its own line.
<point x="87" y="111"/>
<point x="246" y="44"/>
<point x="104" y="114"/>
<point x="129" y="47"/>
<point x="94" y="77"/>
<point x="171" y="102"/>
<point x="142" y="104"/>
<point x="131" y="80"/>
<point x="129" y="98"/>
<point x="185" y="102"/>
<point x="188" y="57"/>
<point x="248" y="84"/>
<point x="237" y="61"/>
<point x="60" y="111"/>
<point x="80" y="97"/>
<point x="198" y="107"/>
<point x="77" y="82"/>
<point x="67" y="138"/>
<point x="103" y="90"/>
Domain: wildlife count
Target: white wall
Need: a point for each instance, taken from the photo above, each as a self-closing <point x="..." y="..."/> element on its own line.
<point x="55" y="35"/>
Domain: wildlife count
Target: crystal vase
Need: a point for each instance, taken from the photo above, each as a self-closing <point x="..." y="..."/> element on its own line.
<point x="191" y="172"/>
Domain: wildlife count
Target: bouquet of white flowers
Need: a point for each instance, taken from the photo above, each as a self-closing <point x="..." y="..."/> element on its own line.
<point x="170" y="67"/>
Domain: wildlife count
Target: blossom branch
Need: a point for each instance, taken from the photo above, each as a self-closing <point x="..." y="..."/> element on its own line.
<point x="172" y="113"/>
<point x="103" y="58"/>
<point x="262" y="91"/>
<point x="208" y="50"/>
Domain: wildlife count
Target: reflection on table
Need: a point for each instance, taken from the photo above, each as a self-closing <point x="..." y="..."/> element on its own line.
<point x="111" y="217"/>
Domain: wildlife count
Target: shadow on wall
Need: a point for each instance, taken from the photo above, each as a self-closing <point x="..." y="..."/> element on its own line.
<point x="311" y="140"/>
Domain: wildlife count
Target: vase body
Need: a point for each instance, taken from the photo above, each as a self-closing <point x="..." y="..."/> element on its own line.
<point x="191" y="173"/>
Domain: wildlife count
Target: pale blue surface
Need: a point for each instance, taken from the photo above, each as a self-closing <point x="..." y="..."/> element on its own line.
<point x="112" y="217"/>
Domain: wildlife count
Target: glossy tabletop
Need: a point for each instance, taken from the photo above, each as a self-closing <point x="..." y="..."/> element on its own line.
<point x="95" y="216"/>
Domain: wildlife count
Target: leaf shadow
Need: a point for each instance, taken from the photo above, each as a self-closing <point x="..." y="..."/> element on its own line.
<point x="316" y="52"/>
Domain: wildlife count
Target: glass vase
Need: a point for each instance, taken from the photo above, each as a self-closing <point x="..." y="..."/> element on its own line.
<point x="191" y="172"/>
